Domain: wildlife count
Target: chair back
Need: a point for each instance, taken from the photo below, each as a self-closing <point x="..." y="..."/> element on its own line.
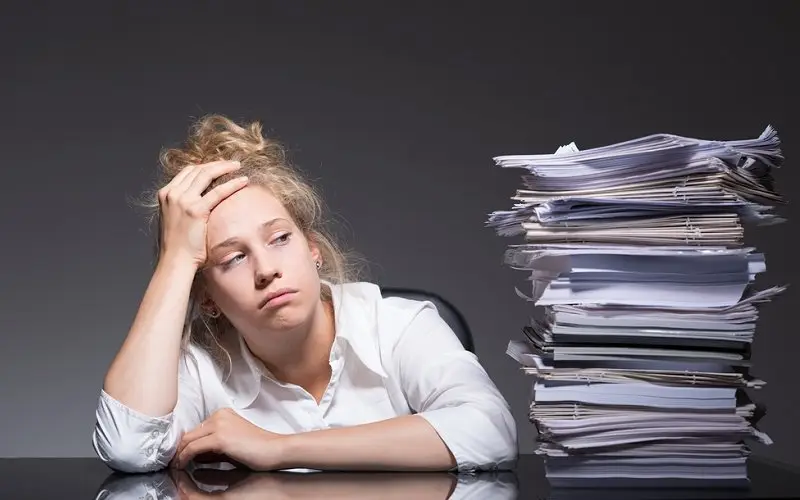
<point x="449" y="313"/>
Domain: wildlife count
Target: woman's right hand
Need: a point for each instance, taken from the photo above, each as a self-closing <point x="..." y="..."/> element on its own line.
<point x="184" y="212"/>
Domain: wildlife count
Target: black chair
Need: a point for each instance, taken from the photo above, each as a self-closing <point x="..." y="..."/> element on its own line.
<point x="447" y="311"/>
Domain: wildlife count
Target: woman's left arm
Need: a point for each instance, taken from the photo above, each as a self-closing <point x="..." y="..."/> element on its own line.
<point x="401" y="443"/>
<point x="461" y="422"/>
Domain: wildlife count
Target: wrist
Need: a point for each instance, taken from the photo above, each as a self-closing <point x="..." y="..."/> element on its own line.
<point x="178" y="262"/>
<point x="290" y="451"/>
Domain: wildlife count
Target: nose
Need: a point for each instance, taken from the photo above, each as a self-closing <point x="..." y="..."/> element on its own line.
<point x="266" y="270"/>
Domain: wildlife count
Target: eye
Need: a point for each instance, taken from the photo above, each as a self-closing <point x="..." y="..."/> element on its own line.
<point x="282" y="239"/>
<point x="228" y="263"/>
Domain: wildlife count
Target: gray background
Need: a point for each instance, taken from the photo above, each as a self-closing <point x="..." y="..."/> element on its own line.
<point x="396" y="112"/>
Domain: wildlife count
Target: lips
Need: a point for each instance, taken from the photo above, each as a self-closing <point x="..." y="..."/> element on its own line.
<point x="275" y="294"/>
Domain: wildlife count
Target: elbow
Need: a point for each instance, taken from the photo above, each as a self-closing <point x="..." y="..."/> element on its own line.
<point x="511" y="453"/>
<point x="492" y="442"/>
<point x="130" y="442"/>
<point x="481" y="435"/>
<point x="500" y="434"/>
<point x="127" y="454"/>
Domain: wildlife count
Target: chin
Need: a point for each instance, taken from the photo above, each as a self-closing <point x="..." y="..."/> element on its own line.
<point x="286" y="318"/>
<point x="290" y="313"/>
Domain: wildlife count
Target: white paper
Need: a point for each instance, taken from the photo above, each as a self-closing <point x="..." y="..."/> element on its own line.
<point x="638" y="253"/>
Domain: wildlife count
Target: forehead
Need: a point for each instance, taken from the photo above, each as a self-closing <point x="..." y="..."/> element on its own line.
<point x="243" y="212"/>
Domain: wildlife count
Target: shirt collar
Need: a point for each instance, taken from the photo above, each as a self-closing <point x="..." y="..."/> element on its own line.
<point x="355" y="310"/>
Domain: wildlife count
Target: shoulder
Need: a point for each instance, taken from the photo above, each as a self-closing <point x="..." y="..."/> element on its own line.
<point x="389" y="316"/>
<point x="363" y="297"/>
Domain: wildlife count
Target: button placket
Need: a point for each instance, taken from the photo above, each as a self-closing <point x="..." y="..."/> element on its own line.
<point x="336" y="362"/>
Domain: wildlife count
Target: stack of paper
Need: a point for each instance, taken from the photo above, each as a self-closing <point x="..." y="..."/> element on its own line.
<point x="641" y="359"/>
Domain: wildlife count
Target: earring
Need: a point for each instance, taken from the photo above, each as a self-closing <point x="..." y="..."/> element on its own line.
<point x="319" y="265"/>
<point x="214" y="313"/>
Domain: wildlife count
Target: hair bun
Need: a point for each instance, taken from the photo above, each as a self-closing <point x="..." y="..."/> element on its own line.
<point x="215" y="138"/>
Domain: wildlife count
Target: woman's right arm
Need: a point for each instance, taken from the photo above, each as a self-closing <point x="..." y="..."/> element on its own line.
<point x="150" y="393"/>
<point x="144" y="374"/>
<point x="139" y="419"/>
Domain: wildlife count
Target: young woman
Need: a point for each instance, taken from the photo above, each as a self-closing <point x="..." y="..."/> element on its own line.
<point x="253" y="346"/>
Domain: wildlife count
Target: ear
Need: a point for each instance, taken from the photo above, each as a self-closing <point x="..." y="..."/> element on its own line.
<point x="204" y="299"/>
<point x="314" y="249"/>
<point x="315" y="254"/>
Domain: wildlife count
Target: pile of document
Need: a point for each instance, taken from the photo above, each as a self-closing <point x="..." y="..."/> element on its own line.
<point x="641" y="356"/>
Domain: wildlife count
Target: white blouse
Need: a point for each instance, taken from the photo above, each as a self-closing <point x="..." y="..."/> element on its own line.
<point x="391" y="356"/>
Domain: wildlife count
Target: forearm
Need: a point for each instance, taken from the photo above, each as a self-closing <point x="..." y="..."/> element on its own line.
<point x="401" y="443"/>
<point x="144" y="374"/>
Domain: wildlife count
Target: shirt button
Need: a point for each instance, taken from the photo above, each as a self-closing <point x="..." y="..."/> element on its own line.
<point x="154" y="434"/>
<point x="149" y="450"/>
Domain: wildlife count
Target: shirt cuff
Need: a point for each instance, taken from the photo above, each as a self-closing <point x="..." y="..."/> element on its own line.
<point x="130" y="441"/>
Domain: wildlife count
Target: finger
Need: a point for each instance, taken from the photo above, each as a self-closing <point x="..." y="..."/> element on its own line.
<point x="195" y="169"/>
<point x="214" y="197"/>
<point x="205" y="444"/>
<point x="202" y="178"/>
<point x="176" y="181"/>
<point x="202" y="430"/>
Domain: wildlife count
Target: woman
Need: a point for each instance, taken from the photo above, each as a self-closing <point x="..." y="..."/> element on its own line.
<point x="252" y="345"/>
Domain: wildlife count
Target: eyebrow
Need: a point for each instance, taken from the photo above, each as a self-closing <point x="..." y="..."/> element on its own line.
<point x="234" y="240"/>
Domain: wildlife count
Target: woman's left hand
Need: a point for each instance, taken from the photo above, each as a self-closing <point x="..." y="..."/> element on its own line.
<point x="230" y="435"/>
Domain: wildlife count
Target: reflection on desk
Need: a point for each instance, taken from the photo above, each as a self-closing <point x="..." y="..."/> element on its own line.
<point x="237" y="484"/>
<point x="46" y="478"/>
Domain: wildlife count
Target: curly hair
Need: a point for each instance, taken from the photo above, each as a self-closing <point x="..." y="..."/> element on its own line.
<point x="264" y="161"/>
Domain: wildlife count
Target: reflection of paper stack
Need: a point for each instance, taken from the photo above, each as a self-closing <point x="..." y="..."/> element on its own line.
<point x="642" y="359"/>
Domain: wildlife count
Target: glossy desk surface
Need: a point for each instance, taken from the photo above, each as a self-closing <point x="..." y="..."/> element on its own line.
<point x="32" y="478"/>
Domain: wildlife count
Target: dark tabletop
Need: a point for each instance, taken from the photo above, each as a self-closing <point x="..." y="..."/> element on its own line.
<point x="48" y="478"/>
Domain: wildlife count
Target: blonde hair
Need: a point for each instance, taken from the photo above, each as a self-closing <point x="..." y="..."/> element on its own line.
<point x="264" y="161"/>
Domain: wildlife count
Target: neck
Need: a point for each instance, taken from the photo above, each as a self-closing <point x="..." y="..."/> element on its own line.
<point x="302" y="357"/>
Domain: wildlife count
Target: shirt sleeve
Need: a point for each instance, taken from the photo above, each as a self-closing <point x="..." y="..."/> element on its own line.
<point x="130" y="441"/>
<point x="446" y="385"/>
